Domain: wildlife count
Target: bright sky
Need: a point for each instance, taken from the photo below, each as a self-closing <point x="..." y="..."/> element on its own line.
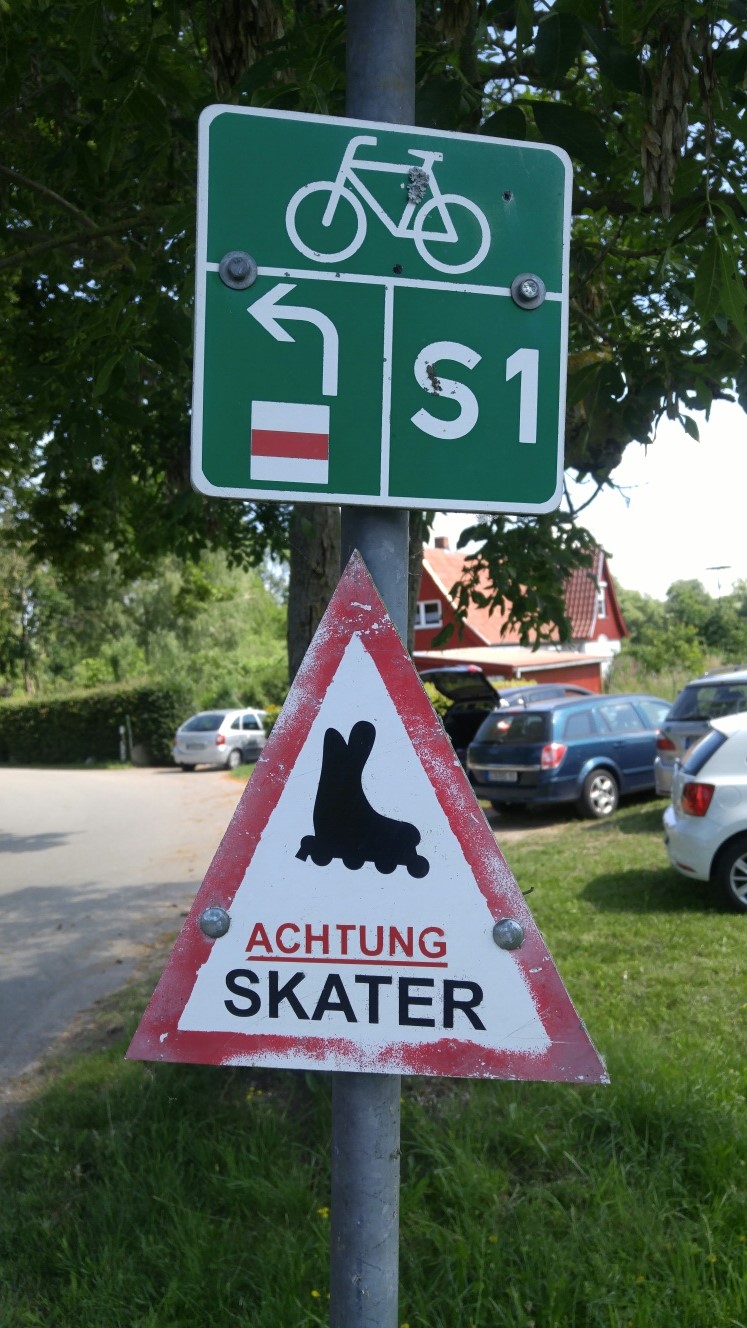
<point x="682" y="511"/>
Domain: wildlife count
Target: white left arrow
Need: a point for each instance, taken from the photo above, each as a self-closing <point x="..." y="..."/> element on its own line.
<point x="271" y="317"/>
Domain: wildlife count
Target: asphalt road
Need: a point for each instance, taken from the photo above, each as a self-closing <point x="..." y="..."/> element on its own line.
<point x="95" y="865"/>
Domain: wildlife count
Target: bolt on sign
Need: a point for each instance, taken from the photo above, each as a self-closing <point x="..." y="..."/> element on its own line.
<point x="358" y="914"/>
<point x="381" y="314"/>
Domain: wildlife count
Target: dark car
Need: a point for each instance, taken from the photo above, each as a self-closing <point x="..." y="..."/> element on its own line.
<point x="719" y="692"/>
<point x="473" y="698"/>
<point x="587" y="752"/>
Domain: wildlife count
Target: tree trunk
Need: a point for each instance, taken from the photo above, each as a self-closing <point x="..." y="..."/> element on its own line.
<point x="419" y="524"/>
<point x="314" y="573"/>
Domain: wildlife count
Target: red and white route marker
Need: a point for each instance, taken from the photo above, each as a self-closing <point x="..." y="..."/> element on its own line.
<point x="290" y="442"/>
<point x="351" y="907"/>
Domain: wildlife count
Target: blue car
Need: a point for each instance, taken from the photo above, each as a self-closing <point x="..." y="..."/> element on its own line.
<point x="586" y="752"/>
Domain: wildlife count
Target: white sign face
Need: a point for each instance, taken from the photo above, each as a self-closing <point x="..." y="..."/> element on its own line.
<point x="363" y="885"/>
<point x="385" y="952"/>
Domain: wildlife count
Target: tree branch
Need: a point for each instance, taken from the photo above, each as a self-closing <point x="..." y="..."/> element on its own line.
<point x="18" y="178"/>
<point x="620" y="206"/>
<point x="75" y="237"/>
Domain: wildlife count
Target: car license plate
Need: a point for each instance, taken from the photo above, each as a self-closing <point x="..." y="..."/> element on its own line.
<point x="195" y="746"/>
<point x="504" y="776"/>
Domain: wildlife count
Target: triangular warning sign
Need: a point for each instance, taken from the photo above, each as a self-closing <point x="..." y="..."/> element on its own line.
<point x="358" y="887"/>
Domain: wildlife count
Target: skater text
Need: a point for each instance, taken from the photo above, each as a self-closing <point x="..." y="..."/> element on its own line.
<point x="357" y="997"/>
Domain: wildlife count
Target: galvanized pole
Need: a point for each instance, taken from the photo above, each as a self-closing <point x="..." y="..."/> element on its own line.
<point x="366" y="1107"/>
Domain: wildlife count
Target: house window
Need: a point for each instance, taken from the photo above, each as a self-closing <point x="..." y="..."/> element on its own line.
<point x="602" y="599"/>
<point x="428" y="613"/>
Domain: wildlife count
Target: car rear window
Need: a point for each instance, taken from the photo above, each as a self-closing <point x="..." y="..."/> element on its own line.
<point x="529" y="726"/>
<point x="206" y="723"/>
<point x="710" y="700"/>
<point x="655" y="711"/>
<point x="578" y="724"/>
<point x="703" y="751"/>
<point x="619" y="717"/>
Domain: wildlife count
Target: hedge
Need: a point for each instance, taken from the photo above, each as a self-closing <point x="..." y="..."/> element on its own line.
<point x="84" y="726"/>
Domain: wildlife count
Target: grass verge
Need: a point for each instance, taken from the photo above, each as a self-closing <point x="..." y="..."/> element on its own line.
<point x="139" y="1196"/>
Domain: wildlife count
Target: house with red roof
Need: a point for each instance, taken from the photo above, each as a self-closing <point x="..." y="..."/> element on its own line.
<point x="597" y="626"/>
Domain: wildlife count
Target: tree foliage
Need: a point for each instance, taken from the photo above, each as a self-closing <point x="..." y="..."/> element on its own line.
<point x="687" y="629"/>
<point x="216" y="631"/>
<point x="98" y="122"/>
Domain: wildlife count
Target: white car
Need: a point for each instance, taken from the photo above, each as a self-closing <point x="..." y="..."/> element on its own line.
<point x="220" y="737"/>
<point x="705" y="826"/>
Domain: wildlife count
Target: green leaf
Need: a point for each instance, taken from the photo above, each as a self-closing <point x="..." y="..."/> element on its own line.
<point x="739" y="193"/>
<point x="556" y="47"/>
<point x="585" y="10"/>
<point x="707" y="290"/>
<point x="103" y="377"/>
<point x="581" y="382"/>
<point x="690" y="427"/>
<point x="730" y="64"/>
<point x="733" y="294"/>
<point x="508" y="122"/>
<point x="683" y="221"/>
<point x="620" y="66"/>
<point x="576" y="131"/>
<point x="144" y="106"/>
<point x="524" y="21"/>
<point x="86" y="30"/>
<point x="438" y="103"/>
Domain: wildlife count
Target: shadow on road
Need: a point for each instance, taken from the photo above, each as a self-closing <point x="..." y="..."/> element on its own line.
<point x="84" y="945"/>
<point x="32" y="843"/>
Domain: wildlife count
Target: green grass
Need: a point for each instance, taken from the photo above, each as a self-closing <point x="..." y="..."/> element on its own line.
<point x="137" y="1196"/>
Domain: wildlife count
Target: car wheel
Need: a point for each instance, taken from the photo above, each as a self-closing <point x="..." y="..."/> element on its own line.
<point x="600" y="795"/>
<point x="185" y="768"/>
<point x="233" y="760"/>
<point x="731" y="873"/>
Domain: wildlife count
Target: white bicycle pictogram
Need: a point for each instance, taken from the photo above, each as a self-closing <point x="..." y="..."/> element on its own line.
<point x="413" y="223"/>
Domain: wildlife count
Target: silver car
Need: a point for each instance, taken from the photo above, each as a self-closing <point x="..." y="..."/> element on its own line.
<point x="220" y="737"/>
<point x="718" y="693"/>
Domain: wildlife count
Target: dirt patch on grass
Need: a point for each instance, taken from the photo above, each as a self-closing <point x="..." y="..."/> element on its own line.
<point x="511" y="826"/>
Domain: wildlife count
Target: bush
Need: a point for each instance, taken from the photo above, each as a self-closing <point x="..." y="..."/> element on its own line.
<point x="84" y="725"/>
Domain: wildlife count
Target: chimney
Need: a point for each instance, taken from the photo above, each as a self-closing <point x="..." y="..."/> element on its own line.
<point x="441" y="541"/>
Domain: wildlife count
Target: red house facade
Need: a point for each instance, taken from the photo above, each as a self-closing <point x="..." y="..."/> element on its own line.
<point x="597" y="627"/>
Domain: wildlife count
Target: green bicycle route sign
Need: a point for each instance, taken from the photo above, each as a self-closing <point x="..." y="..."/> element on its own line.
<point x="381" y="314"/>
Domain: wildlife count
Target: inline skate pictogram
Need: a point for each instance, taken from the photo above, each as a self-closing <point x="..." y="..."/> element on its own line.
<point x="345" y="824"/>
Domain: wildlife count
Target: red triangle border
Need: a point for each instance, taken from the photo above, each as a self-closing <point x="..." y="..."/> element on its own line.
<point x="356" y="609"/>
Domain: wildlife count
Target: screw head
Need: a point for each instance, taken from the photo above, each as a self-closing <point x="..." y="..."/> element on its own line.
<point x="528" y="290"/>
<point x="214" y="922"/>
<point x="508" y="934"/>
<point x="237" y="269"/>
